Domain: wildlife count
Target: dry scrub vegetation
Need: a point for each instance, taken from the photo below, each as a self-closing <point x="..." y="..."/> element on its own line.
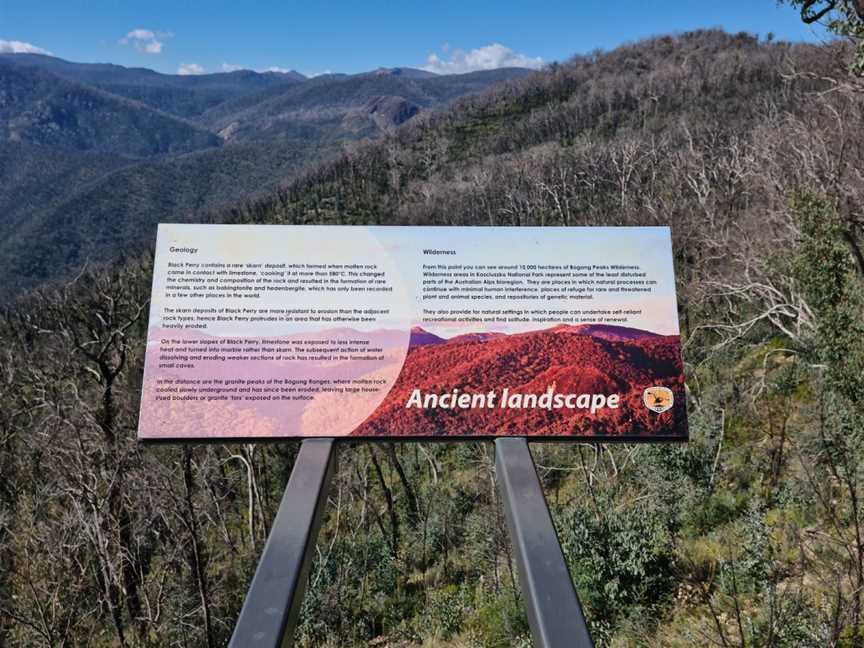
<point x="750" y="535"/>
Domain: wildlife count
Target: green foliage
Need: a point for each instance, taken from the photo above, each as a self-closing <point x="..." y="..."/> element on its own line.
<point x="622" y="563"/>
<point x="835" y="290"/>
<point x="446" y="610"/>
<point x="499" y="623"/>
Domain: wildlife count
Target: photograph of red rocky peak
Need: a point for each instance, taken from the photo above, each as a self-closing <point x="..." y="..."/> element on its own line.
<point x="568" y="359"/>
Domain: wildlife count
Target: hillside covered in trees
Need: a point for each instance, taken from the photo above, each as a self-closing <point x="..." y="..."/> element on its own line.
<point x="93" y="156"/>
<point x="752" y="534"/>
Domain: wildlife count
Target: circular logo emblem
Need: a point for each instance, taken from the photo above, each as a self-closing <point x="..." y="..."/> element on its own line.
<point x="658" y="399"/>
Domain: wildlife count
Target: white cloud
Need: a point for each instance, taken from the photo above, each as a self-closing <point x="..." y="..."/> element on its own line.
<point x="276" y="68"/>
<point x="186" y="69"/>
<point x="490" y="57"/>
<point x="230" y="67"/>
<point x="146" y="40"/>
<point x="18" y="47"/>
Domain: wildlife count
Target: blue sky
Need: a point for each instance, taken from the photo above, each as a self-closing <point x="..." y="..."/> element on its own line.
<point x="315" y="37"/>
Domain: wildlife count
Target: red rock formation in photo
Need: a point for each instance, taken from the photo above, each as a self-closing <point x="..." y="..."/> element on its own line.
<point x="593" y="359"/>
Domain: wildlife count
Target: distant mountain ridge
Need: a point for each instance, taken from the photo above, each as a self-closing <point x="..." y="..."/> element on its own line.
<point x="41" y="108"/>
<point x="422" y="337"/>
<point x="616" y="333"/>
<point x="110" y="151"/>
<point x="324" y="102"/>
<point x="183" y="95"/>
<point x="605" y="331"/>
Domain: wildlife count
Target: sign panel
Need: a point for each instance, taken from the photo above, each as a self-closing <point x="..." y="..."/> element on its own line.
<point x="270" y="331"/>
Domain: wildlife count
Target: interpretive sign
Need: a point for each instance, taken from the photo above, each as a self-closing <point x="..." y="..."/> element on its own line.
<point x="271" y="331"/>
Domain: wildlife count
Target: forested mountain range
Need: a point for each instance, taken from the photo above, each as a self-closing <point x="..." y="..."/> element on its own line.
<point x="92" y="156"/>
<point x="181" y="95"/>
<point x="749" y="535"/>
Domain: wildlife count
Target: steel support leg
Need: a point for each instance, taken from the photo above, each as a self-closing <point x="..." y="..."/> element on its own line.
<point x="269" y="614"/>
<point x="554" y="612"/>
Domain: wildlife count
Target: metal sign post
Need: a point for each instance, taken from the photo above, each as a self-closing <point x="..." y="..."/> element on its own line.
<point x="272" y="604"/>
<point x="269" y="614"/>
<point x="554" y="612"/>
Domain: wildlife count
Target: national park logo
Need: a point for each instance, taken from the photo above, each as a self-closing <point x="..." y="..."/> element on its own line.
<point x="658" y="399"/>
